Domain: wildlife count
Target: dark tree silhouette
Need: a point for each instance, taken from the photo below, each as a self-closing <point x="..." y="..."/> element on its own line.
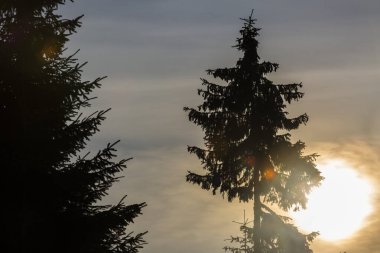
<point x="51" y="194"/>
<point x="277" y="232"/>
<point x="248" y="152"/>
<point x="243" y="243"/>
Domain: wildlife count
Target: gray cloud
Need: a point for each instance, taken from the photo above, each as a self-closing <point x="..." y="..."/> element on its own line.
<point x="155" y="51"/>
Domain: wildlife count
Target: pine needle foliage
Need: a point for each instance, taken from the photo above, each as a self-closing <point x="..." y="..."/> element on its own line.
<point x="50" y="193"/>
<point x="243" y="243"/>
<point x="248" y="153"/>
<point x="278" y="235"/>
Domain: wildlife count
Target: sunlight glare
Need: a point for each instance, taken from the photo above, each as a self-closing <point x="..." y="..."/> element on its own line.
<point x="339" y="207"/>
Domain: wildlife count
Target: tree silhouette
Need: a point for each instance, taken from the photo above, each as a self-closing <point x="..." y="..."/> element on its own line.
<point x="50" y="191"/>
<point x="244" y="242"/>
<point x="277" y="232"/>
<point x="248" y="153"/>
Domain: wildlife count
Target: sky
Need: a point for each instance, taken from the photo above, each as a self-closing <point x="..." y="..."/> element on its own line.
<point x="154" y="53"/>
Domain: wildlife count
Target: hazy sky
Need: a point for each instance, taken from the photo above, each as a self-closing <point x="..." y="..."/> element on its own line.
<point x="155" y="51"/>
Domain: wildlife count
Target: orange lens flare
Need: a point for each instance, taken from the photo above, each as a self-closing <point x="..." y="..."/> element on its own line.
<point x="250" y="160"/>
<point x="49" y="51"/>
<point x="269" y="174"/>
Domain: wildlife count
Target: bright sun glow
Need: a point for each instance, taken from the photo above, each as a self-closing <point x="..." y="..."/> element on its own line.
<point x="339" y="207"/>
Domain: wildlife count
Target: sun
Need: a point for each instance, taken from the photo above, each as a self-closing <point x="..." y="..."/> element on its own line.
<point x="339" y="207"/>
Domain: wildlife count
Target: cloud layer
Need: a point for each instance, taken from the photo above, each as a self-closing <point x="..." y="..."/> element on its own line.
<point x="155" y="51"/>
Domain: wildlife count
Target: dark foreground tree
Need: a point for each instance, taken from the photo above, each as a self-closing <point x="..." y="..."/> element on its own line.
<point x="50" y="194"/>
<point x="248" y="153"/>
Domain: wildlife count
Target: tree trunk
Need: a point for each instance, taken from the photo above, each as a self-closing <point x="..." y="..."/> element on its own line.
<point x="256" y="211"/>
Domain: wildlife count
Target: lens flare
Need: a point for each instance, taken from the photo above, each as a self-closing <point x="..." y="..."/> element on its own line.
<point x="269" y="174"/>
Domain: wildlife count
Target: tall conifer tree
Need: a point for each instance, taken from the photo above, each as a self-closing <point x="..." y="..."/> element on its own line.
<point x="50" y="194"/>
<point x="248" y="153"/>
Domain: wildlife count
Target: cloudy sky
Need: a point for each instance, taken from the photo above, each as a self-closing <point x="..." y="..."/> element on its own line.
<point x="155" y="51"/>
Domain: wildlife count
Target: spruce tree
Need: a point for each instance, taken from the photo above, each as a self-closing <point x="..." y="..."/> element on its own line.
<point x="277" y="232"/>
<point x="248" y="153"/>
<point x="51" y="193"/>
<point x="243" y="243"/>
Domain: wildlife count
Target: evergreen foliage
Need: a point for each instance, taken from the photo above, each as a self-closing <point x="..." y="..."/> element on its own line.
<point x="277" y="233"/>
<point x="50" y="193"/>
<point x="243" y="243"/>
<point x="248" y="152"/>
